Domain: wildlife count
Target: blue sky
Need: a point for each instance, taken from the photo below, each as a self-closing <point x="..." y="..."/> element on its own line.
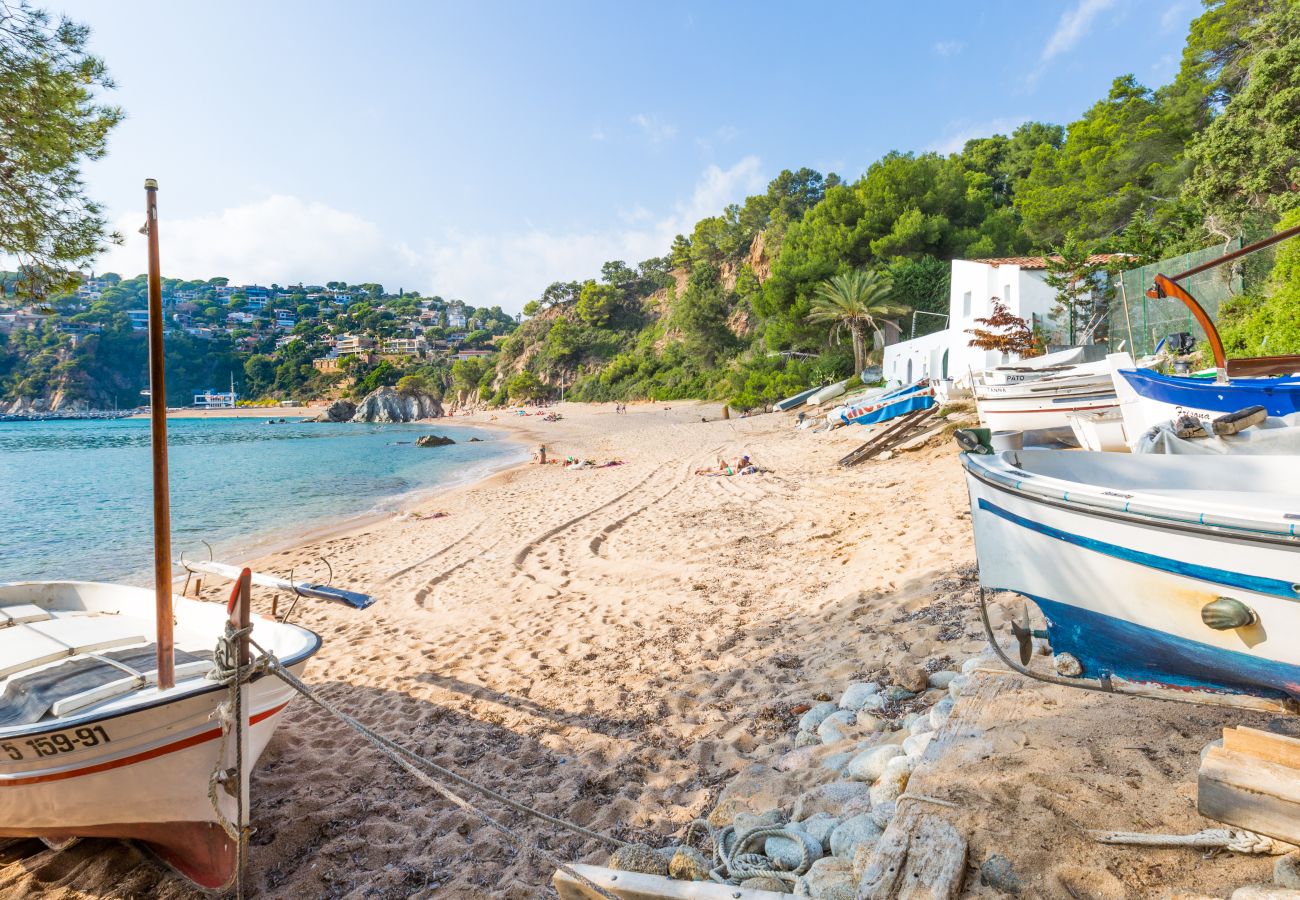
<point x="481" y="150"/>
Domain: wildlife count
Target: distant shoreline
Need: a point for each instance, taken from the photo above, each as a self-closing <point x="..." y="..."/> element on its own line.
<point x="243" y="412"/>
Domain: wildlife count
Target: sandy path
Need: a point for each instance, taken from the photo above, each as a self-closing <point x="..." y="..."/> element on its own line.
<point x="609" y="645"/>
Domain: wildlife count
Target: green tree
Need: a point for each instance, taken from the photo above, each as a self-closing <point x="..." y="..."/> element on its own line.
<point x="853" y="301"/>
<point x="1073" y="273"/>
<point x="416" y="384"/>
<point x="525" y="386"/>
<point x="50" y="124"/>
<point x="1247" y="162"/>
<point x="1125" y="152"/>
<point x="596" y="302"/>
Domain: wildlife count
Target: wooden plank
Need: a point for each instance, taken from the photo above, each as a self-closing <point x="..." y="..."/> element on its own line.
<point x="637" y="886"/>
<point x="936" y="862"/>
<point x="1247" y="792"/>
<point x="1278" y="748"/>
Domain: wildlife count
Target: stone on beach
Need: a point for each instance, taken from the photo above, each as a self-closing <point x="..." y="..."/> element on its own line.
<point x="387" y="404"/>
<point x="765" y="883"/>
<point x="1264" y="892"/>
<point x="869" y="723"/>
<point x="820" y="825"/>
<point x="957" y="685"/>
<point x="838" y="798"/>
<point x="997" y="873"/>
<point x="913" y="678"/>
<point x="853" y="832"/>
<point x="338" y="411"/>
<point x="689" y="864"/>
<point x="1286" y="870"/>
<point x="830" y="878"/>
<point x="870" y="765"/>
<point x="749" y="821"/>
<point x="835" y="727"/>
<point x="805" y="739"/>
<point x="856" y="694"/>
<point x="941" y="712"/>
<point x="638" y="858"/>
<point x="884" y="813"/>
<point x="920" y="725"/>
<point x="916" y="744"/>
<point x="977" y="662"/>
<point x="895" y="693"/>
<point x="787" y="852"/>
<point x="941" y="679"/>
<point x="815" y="716"/>
<point x="755" y="789"/>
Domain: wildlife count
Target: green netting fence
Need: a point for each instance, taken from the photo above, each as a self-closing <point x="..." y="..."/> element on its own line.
<point x="1139" y="323"/>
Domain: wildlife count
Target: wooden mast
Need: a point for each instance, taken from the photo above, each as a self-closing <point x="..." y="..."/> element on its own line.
<point x="162" y="525"/>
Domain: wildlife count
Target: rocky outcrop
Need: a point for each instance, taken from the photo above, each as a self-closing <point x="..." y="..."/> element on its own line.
<point x="388" y="405"/>
<point x="338" y="411"/>
<point x="433" y="440"/>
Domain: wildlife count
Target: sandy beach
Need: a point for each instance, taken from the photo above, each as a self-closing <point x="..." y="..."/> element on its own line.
<point x="612" y="645"/>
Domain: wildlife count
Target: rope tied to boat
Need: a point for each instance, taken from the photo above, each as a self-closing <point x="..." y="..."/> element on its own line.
<point x="229" y="671"/>
<point x="413" y="764"/>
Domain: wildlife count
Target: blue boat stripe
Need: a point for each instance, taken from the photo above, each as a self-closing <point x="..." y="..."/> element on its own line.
<point x="1272" y="586"/>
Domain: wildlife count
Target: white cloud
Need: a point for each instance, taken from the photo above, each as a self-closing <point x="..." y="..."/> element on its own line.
<point x="1178" y="14"/>
<point x="959" y="133"/>
<point x="654" y="128"/>
<point x="1073" y="27"/>
<point x="948" y="48"/>
<point x="286" y="240"/>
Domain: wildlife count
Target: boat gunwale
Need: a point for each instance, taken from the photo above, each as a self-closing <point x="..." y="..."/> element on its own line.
<point x="1081" y="504"/>
<point x="200" y="687"/>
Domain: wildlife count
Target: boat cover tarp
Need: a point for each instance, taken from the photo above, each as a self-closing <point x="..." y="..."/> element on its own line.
<point x="27" y="698"/>
<point x="1275" y="436"/>
<point x="894" y="404"/>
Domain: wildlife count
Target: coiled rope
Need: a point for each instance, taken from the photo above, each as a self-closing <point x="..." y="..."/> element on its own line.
<point x="732" y="861"/>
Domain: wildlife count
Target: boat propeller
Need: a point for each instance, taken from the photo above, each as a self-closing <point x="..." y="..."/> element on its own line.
<point x="1025" y="633"/>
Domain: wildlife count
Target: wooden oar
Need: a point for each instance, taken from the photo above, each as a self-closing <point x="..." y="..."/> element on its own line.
<point x="301" y="588"/>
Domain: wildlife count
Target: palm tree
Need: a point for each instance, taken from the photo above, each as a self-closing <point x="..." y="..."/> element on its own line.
<point x="853" y="301"/>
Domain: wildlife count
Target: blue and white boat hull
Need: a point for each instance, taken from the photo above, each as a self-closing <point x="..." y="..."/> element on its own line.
<point x="889" y="405"/>
<point x="1122" y="567"/>
<point x="1148" y="398"/>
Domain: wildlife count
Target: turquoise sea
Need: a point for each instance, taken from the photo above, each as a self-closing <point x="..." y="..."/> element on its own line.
<point x="75" y="497"/>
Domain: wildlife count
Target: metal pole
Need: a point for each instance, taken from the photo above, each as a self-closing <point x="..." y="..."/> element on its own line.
<point x="162" y="525"/>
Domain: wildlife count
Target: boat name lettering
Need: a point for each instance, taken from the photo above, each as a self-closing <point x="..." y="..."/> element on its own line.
<point x="59" y="742"/>
<point x="1117" y="494"/>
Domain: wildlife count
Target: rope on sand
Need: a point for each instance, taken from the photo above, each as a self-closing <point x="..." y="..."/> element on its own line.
<point x="414" y="765"/>
<point x="1238" y="840"/>
<point x="732" y="864"/>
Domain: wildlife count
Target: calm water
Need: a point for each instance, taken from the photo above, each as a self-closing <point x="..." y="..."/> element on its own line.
<point x="75" y="496"/>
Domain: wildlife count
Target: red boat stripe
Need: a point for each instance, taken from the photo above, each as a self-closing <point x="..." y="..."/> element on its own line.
<point x="191" y="741"/>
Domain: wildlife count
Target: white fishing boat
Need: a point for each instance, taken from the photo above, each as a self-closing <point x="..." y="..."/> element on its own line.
<point x="1167" y="576"/>
<point x="1044" y="403"/>
<point x="830" y="392"/>
<point x="91" y="746"/>
<point x="136" y="714"/>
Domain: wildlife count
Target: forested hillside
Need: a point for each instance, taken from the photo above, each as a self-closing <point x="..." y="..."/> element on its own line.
<point x="1145" y="171"/>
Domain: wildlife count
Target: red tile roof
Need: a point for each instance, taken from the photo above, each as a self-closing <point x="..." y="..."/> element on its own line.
<point x="1040" y="262"/>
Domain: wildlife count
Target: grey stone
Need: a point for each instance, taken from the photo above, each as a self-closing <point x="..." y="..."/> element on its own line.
<point x="1286" y="870"/>
<point x="860" y="829"/>
<point x="820" y="825"/>
<point x="857" y="693"/>
<point x="920" y="725"/>
<point x="997" y="873"/>
<point x="957" y="685"/>
<point x="797" y="760"/>
<point x="1264" y="892"/>
<point x="884" y="813"/>
<point x="837" y="761"/>
<point x="941" y="712"/>
<point x="885" y="790"/>
<point x="871" y="703"/>
<point x="834" y="727"/>
<point x="787" y="852"/>
<point x="941" y="679"/>
<point x="766" y="883"/>
<point x="814" y="717"/>
<point x="835" y="797"/>
<point x="870" y="764"/>
<point x="916" y="744"/>
<point x="805" y="739"/>
<point x="338" y="411"/>
<point x="896" y="693"/>
<point x="433" y="440"/>
<point x="830" y="878"/>
<point x="749" y="821"/>
<point x="976" y="662"/>
<point x="901" y="767"/>
<point x="689" y="864"/>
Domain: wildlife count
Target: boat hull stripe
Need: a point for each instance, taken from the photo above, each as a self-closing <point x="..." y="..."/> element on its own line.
<point x="1272" y="586"/>
<point x="185" y="743"/>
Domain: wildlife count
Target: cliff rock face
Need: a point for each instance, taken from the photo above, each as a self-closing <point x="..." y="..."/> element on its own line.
<point x="387" y="405"/>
